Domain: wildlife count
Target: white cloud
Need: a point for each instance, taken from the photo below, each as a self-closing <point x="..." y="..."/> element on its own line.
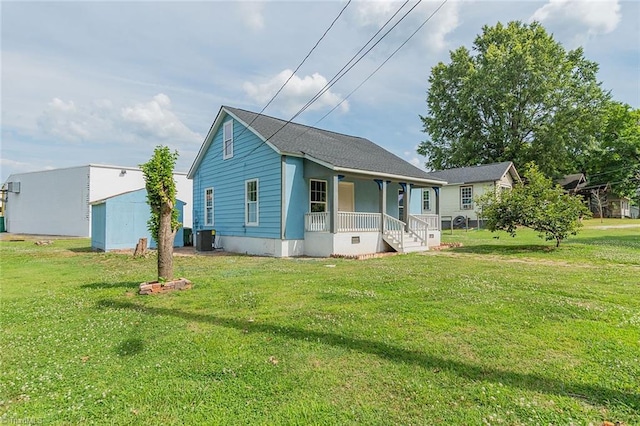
<point x="64" y="120"/>
<point x="375" y="12"/>
<point x="155" y="119"/>
<point x="412" y="158"/>
<point x="443" y="22"/>
<point x="600" y="17"/>
<point x="251" y="14"/>
<point x="101" y="121"/>
<point x="296" y="93"/>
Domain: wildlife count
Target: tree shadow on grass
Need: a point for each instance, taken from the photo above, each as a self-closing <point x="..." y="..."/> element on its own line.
<point x="110" y="285"/>
<point x="503" y="249"/>
<point x="87" y="249"/>
<point x="130" y="347"/>
<point x="533" y="382"/>
<point x="617" y="241"/>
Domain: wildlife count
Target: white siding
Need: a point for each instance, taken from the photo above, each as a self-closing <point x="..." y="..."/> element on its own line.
<point x="450" y="199"/>
<point x="56" y="202"/>
<point x="51" y="202"/>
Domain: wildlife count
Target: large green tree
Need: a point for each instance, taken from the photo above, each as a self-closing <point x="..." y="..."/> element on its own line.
<point x="616" y="158"/>
<point x="536" y="203"/>
<point x="518" y="96"/>
<point x="161" y="197"/>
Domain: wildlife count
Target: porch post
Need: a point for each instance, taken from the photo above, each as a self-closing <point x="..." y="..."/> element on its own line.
<point x="436" y="190"/>
<point x="382" y="186"/>
<point x="406" y="200"/>
<point x="334" y="204"/>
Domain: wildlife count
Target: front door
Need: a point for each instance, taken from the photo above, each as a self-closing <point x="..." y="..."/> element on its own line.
<point x="346" y="197"/>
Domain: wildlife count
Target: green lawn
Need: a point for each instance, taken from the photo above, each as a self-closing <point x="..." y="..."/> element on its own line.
<point x="498" y="331"/>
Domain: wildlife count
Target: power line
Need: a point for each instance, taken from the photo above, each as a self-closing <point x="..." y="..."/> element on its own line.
<point x="348" y="66"/>
<point x="301" y="63"/>
<point x="383" y="63"/>
<point x="379" y="66"/>
<point x="291" y="76"/>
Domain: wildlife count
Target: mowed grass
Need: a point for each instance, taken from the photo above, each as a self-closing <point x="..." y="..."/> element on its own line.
<point x="498" y="331"/>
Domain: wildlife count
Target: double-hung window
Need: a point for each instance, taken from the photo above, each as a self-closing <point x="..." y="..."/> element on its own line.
<point x="317" y="196"/>
<point x="426" y="200"/>
<point x="227" y="140"/>
<point x="466" y="197"/>
<point x="251" y="211"/>
<point x="208" y="207"/>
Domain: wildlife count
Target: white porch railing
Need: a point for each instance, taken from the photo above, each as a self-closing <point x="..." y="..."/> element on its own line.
<point x="394" y="230"/>
<point x="347" y="222"/>
<point x="316" y="222"/>
<point x="358" y="222"/>
<point x="433" y="220"/>
<point x="419" y="228"/>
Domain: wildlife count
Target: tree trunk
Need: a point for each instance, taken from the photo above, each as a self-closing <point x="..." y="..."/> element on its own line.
<point x="165" y="245"/>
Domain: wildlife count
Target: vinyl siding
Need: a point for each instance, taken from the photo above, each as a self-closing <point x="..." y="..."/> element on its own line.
<point x="120" y="221"/>
<point x="252" y="159"/>
<point x="450" y="199"/>
<point x="296" y="198"/>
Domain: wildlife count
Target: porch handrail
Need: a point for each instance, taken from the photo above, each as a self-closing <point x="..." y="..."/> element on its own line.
<point x="433" y="220"/>
<point x="394" y="228"/>
<point x="419" y="228"/>
<point x="316" y="222"/>
<point x="358" y="222"/>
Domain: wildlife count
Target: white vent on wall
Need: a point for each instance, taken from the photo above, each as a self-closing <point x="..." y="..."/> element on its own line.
<point x="13" y="187"/>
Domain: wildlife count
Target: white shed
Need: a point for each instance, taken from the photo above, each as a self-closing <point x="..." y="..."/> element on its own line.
<point x="57" y="202"/>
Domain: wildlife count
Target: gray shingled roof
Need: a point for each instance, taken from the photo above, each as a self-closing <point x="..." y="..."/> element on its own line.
<point x="336" y="149"/>
<point x="484" y="173"/>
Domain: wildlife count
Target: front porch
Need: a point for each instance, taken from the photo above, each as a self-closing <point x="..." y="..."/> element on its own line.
<point x="357" y="233"/>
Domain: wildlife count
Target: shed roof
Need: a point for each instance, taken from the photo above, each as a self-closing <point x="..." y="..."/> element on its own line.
<point x="337" y="151"/>
<point x="572" y="182"/>
<point x="121" y="194"/>
<point x="483" y="173"/>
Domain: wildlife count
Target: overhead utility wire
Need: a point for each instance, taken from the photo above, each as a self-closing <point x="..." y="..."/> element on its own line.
<point x="297" y="68"/>
<point x="383" y="63"/>
<point x="340" y="73"/>
<point x="285" y="83"/>
<point x="348" y="67"/>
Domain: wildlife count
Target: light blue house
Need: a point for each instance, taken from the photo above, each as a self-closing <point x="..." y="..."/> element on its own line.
<point x="118" y="222"/>
<point x="274" y="188"/>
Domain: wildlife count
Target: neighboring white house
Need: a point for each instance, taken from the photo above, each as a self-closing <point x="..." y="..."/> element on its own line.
<point x="57" y="202"/>
<point x="463" y="185"/>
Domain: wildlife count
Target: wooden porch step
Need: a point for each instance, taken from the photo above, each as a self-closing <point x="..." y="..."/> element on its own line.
<point x="411" y="244"/>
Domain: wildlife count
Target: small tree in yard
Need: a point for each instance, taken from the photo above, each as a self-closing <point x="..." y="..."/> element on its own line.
<point x="537" y="204"/>
<point x="161" y="197"/>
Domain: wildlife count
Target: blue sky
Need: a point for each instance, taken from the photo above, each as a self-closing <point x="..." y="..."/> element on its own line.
<point x="105" y="82"/>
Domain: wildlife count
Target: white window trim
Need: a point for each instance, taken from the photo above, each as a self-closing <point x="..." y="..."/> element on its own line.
<point x="225" y="126"/>
<point x="205" y="207"/>
<point x="426" y="191"/>
<point x="326" y="195"/>
<point x="468" y="206"/>
<point x="246" y="203"/>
